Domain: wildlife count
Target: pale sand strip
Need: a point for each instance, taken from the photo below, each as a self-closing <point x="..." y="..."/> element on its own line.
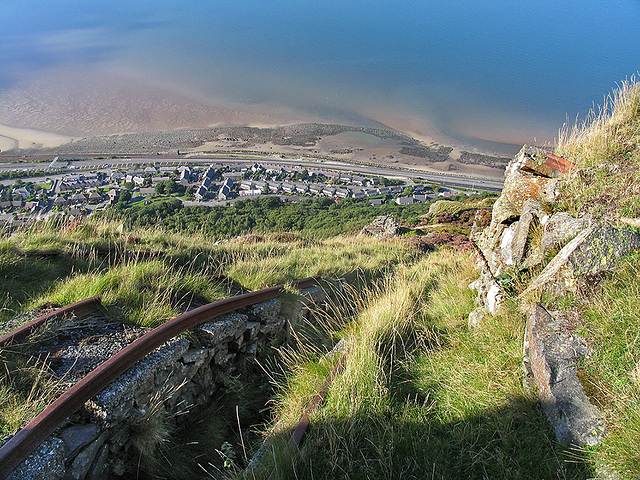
<point x="7" y="143"/>
<point x="12" y="137"/>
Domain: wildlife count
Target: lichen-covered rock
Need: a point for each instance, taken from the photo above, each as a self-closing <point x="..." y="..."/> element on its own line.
<point x="503" y="212"/>
<point x="592" y="251"/>
<point x="552" y="352"/>
<point x="601" y="248"/>
<point x="489" y="297"/>
<point x="506" y="246"/>
<point x="513" y="251"/>
<point x="519" y="185"/>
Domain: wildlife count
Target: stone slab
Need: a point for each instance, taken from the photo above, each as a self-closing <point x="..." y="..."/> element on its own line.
<point x="553" y="352"/>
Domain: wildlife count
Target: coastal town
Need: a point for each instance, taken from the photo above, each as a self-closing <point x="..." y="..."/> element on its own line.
<point x="75" y="188"/>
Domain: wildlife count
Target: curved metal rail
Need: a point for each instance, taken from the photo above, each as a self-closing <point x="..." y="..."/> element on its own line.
<point x="26" y="440"/>
<point x="78" y="309"/>
<point x="303" y="424"/>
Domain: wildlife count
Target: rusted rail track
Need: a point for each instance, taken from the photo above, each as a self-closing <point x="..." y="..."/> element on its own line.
<point x="303" y="424"/>
<point x="18" y="448"/>
<point x="78" y="309"/>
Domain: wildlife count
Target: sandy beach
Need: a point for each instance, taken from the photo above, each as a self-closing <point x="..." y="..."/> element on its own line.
<point x="13" y="137"/>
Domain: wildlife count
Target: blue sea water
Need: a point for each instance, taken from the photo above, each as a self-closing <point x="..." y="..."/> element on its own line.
<point x="477" y="71"/>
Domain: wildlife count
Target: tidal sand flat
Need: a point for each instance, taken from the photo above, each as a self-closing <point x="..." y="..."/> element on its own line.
<point x="24" y="138"/>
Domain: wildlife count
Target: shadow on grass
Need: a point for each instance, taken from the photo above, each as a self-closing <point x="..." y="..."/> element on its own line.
<point x="512" y="442"/>
<point x="24" y="278"/>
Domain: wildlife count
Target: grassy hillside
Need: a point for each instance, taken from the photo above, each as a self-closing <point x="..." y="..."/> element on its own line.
<point x="148" y="276"/>
<point x="421" y="395"/>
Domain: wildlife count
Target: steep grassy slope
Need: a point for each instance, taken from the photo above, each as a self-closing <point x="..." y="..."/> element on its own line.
<point x="421" y="396"/>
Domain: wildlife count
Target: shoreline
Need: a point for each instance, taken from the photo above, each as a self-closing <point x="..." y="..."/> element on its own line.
<point x="320" y="141"/>
<point x="26" y="138"/>
<point x="103" y="103"/>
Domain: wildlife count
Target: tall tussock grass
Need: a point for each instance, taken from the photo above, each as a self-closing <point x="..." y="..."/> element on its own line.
<point x="606" y="151"/>
<point x="609" y="133"/>
<point x="421" y="395"/>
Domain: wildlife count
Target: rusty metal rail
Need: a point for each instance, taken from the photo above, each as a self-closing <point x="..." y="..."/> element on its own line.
<point x="303" y="424"/>
<point x="18" y="448"/>
<point x="78" y="309"/>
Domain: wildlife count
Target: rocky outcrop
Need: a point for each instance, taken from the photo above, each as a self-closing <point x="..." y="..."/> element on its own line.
<point x="570" y="254"/>
<point x="593" y="251"/>
<point x="384" y="226"/>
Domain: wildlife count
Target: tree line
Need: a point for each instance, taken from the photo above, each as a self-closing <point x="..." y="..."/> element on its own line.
<point x="320" y="217"/>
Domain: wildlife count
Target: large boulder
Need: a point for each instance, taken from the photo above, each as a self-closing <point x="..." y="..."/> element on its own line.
<point x="384" y="226"/>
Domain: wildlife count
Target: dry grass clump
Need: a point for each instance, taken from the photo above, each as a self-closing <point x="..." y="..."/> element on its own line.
<point x="606" y="150"/>
<point x="26" y="388"/>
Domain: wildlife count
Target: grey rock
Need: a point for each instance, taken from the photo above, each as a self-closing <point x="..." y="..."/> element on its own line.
<point x="592" y="251"/>
<point x="602" y="248"/>
<point x="506" y="245"/>
<point x="530" y="212"/>
<point x="78" y="436"/>
<point x="516" y="236"/>
<point x="503" y="212"/>
<point x="561" y="228"/>
<point x="194" y="355"/>
<point x="46" y="463"/>
<point x="252" y="331"/>
<point x="100" y="468"/>
<point x="117" y="399"/>
<point x="266" y="312"/>
<point x="119" y="438"/>
<point x="384" y="226"/>
<point x="223" y="329"/>
<point x="550" y="190"/>
<point x="476" y="316"/>
<point x="553" y="351"/>
<point x="312" y="296"/>
<point x="82" y="463"/>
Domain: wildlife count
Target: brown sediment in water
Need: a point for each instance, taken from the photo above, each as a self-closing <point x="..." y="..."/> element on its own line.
<point x="50" y="110"/>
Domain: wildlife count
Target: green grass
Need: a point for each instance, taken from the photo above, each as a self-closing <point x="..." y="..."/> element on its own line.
<point x="146" y="293"/>
<point x="421" y="395"/>
<point x="611" y="374"/>
<point x="25" y="390"/>
<point x="453" y="207"/>
<point x="148" y="276"/>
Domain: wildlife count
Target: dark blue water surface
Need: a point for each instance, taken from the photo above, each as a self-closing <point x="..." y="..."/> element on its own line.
<point x="477" y="71"/>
